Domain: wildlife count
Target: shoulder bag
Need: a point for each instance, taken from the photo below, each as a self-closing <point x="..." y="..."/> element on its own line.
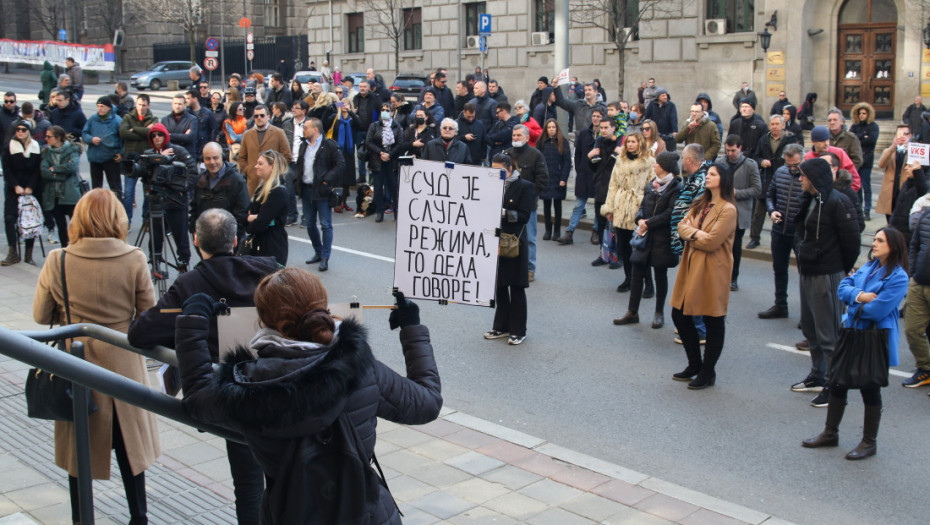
<point x="47" y="396"/>
<point x="509" y="247"/>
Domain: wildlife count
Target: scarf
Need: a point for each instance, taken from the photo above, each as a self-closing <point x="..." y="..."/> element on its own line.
<point x="660" y="183"/>
<point x="632" y="156"/>
<point x="387" y="134"/>
<point x="509" y="180"/>
<point x="345" y="134"/>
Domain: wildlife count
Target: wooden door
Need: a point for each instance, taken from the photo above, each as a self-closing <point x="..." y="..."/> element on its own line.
<point x="866" y="66"/>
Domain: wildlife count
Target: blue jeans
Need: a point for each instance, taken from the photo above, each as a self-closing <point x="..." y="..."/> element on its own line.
<point x="699" y="325"/>
<point x="313" y="209"/>
<point x="129" y="194"/>
<point x="576" y="214"/>
<point x="385" y="188"/>
<point x="531" y="228"/>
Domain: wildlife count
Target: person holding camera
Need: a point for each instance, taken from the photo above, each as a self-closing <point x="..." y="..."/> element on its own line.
<point x="319" y="165"/>
<point x="176" y="204"/>
<point x="314" y="374"/>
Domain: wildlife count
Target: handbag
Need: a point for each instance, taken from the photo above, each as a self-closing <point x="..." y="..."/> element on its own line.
<point x="83" y="185"/>
<point x="50" y="397"/>
<point x="638" y="242"/>
<point x="247" y="246"/>
<point x="509" y="246"/>
<point x="861" y="357"/>
<point x="609" y="246"/>
<point x="332" y="129"/>
<point x="335" y="197"/>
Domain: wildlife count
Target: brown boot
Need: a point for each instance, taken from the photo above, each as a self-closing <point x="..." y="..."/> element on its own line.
<point x="567" y="237"/>
<point x="867" y="447"/>
<point x="12" y="256"/>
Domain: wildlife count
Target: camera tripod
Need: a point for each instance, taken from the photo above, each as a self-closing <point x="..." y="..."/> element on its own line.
<point x="154" y="224"/>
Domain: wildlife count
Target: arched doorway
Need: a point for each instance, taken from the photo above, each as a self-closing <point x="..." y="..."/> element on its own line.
<point x="867" y="41"/>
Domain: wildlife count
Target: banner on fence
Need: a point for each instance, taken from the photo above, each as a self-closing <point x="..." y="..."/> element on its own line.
<point x="447" y="218"/>
<point x="90" y="58"/>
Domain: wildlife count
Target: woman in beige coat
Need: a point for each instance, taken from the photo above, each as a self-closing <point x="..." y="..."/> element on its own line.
<point x="703" y="283"/>
<point x="892" y="156"/>
<point x="632" y="171"/>
<point x="108" y="284"/>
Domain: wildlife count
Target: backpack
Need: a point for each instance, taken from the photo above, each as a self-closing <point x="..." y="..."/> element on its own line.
<point x="31" y="221"/>
<point x="324" y="480"/>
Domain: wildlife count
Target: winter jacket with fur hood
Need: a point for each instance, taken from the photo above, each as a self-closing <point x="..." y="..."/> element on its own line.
<point x="866" y="132"/>
<point x="294" y="390"/>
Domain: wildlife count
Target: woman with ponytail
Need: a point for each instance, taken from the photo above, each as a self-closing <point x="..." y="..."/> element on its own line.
<point x="308" y="380"/>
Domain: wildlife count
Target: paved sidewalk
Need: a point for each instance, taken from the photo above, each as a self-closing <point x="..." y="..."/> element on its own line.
<point x="458" y="469"/>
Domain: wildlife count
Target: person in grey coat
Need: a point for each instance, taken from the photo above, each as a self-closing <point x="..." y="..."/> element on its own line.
<point x="748" y="186"/>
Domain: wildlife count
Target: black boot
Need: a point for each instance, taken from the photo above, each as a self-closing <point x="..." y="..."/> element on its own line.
<point x="708" y="375"/>
<point x="27" y="257"/>
<point x="867" y="447"/>
<point x="694" y="365"/>
<point x="830" y="435"/>
<point x="548" y="235"/>
<point x="567" y="238"/>
<point x="595" y="237"/>
<point x="556" y="230"/>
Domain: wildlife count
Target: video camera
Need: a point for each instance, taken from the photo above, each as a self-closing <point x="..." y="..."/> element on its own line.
<point x="162" y="176"/>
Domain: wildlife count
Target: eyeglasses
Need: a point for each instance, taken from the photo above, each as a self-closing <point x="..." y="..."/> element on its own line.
<point x="795" y="165"/>
<point x="260" y="115"/>
<point x="49" y="137"/>
<point x="158" y="134"/>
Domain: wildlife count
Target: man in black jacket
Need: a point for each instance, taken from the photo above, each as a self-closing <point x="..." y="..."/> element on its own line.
<point x="181" y="125"/>
<point x="223" y="276"/>
<point x="206" y="123"/>
<point x="319" y="166"/>
<point x="366" y="106"/>
<point x="220" y="186"/>
<point x="768" y="155"/>
<point x="446" y="147"/>
<point x="500" y="134"/>
<point x="278" y="92"/>
<point x="531" y="164"/>
<point x="783" y="202"/>
<point x="828" y="250"/>
<point x="474" y="134"/>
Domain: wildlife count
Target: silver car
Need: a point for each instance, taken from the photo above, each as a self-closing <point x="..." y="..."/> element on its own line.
<point x="159" y="74"/>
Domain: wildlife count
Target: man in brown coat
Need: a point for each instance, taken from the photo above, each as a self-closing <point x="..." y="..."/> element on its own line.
<point x="261" y="137"/>
<point x="843" y="139"/>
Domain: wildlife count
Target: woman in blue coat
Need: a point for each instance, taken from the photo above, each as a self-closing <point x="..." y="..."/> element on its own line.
<point x="558" y="154"/>
<point x="876" y="290"/>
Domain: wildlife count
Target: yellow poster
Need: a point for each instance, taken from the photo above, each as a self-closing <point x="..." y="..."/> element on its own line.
<point x="775" y="74"/>
<point x="926" y="56"/>
<point x="925" y="73"/>
<point x="925" y="89"/>
<point x="771" y="90"/>
<point x="776" y="58"/>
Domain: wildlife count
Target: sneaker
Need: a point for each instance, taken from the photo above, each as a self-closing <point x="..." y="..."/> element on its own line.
<point x="804" y="346"/>
<point x="920" y="378"/>
<point x="809" y="384"/>
<point x="516" y="339"/>
<point x="702" y="341"/>
<point x="52" y="239"/>
<point x="598" y="262"/>
<point x="495" y="334"/>
<point x="822" y="398"/>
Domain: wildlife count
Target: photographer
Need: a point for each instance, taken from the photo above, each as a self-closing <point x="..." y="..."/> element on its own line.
<point x="169" y="194"/>
<point x="220" y="185"/>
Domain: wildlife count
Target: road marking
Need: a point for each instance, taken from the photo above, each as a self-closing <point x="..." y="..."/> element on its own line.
<point x="347" y="250"/>
<point x="793" y="350"/>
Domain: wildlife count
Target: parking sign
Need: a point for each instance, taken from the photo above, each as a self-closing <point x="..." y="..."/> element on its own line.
<point x="484" y="24"/>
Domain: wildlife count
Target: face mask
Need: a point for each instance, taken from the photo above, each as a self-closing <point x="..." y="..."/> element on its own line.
<point x="794" y="171"/>
<point x="634" y="115"/>
<point x="385" y="115"/>
<point x="517" y="144"/>
<point x="902" y="149"/>
<point x="418" y="120"/>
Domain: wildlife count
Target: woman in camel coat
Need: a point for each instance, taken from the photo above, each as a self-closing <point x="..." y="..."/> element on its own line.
<point x="108" y="284"/>
<point x="888" y="162"/>
<point x="703" y="283"/>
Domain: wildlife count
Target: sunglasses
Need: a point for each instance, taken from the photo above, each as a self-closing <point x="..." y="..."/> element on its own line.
<point x="158" y="134"/>
<point x="22" y="130"/>
<point x="240" y="109"/>
<point x="260" y="115"/>
<point x="6" y="101"/>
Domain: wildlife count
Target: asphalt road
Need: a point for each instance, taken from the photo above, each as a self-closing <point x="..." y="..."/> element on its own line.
<point x="580" y="382"/>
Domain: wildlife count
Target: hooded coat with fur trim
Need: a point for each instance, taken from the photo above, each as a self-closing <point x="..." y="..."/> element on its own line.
<point x="627" y="184"/>
<point x="296" y="390"/>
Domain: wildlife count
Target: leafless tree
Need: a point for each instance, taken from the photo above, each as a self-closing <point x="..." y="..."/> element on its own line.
<point x="620" y="20"/>
<point x="51" y="15"/>
<point x="392" y="19"/>
<point x="186" y="14"/>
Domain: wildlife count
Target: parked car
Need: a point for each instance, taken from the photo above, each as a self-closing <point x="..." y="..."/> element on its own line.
<point x="160" y="73"/>
<point x="409" y="86"/>
<point x="358" y="77"/>
<point x="305" y="76"/>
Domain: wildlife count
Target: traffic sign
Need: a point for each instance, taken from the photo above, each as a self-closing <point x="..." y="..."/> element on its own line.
<point x="212" y="53"/>
<point x="484" y="24"/>
<point x="62" y="35"/>
<point x="210" y="63"/>
<point x="244" y="22"/>
<point x="249" y="38"/>
<point x="250" y="46"/>
<point x="250" y="54"/>
<point x="213" y="44"/>
<point x="483" y="44"/>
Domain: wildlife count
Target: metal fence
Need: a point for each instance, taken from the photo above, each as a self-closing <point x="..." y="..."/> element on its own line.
<point x="268" y="52"/>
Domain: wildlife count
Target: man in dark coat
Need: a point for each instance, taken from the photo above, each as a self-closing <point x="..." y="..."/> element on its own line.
<point x="462" y="96"/>
<point x="206" y="123"/>
<point x="443" y="94"/>
<point x="665" y="115"/>
<point x="366" y="106"/>
<point x="912" y="117"/>
<point x="220" y="186"/>
<point x="769" y="154"/>
<point x="485" y="106"/>
<point x="584" y="175"/>
<point x="500" y="133"/>
<point x="233" y="279"/>
<point x="319" y="167"/>
<point x="828" y="251"/>
<point x="447" y="147"/>
<point x="8" y="115"/>
<point x="181" y="125"/>
<point x="749" y="126"/>
<point x="67" y="115"/>
<point x="603" y="168"/>
<point x="474" y="134"/>
<point x="531" y="164"/>
<point x="778" y="107"/>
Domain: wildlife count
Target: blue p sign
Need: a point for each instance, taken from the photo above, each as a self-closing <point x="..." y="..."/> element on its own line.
<point x="484" y="24"/>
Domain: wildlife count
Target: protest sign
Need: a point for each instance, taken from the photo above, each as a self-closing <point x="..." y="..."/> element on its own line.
<point x="447" y="217"/>
<point x="919" y="153"/>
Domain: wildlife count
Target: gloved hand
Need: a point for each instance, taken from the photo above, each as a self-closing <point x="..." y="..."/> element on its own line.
<point x="203" y="305"/>
<point x="407" y="312"/>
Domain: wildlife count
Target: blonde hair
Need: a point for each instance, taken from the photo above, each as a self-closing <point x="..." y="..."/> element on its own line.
<point x="278" y="168"/>
<point x="98" y="214"/>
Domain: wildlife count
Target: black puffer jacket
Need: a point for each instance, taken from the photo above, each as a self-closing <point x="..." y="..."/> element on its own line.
<point x="784" y="196"/>
<point x="843" y="184"/>
<point x="293" y="392"/>
<point x="829" y="233"/>
<point x="919" y="252"/>
<point x="912" y="189"/>
<point x="657" y="210"/>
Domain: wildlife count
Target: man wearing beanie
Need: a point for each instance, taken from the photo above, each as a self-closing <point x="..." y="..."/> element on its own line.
<point x="537" y="96"/>
<point x="820" y="144"/>
<point x="104" y="146"/>
<point x="829" y="246"/>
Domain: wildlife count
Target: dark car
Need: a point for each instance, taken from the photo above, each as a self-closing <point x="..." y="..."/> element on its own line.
<point x="409" y="86"/>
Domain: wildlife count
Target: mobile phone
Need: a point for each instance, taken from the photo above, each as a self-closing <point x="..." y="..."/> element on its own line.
<point x="339" y="104"/>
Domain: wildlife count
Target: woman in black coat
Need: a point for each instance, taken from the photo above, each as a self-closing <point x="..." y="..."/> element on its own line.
<point x="268" y="209"/>
<point x="790" y="114"/>
<point x="384" y="141"/>
<point x="421" y="130"/>
<point x="314" y="378"/>
<point x="22" y="163"/>
<point x="866" y="130"/>
<point x="513" y="278"/>
<point x="806" y="113"/>
<point x="558" y="154"/>
<point x="345" y="127"/>
<point x="654" y="220"/>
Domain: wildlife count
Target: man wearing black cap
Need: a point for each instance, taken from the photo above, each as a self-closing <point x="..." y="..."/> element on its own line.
<point x="829" y="246"/>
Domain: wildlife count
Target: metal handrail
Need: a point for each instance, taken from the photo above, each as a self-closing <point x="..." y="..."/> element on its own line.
<point x="25" y="346"/>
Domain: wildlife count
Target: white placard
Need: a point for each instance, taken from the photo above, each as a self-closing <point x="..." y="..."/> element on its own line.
<point x="919" y="153"/>
<point x="563" y="77"/>
<point x="446" y="247"/>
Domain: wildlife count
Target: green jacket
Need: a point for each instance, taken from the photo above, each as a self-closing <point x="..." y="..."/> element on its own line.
<point x="135" y="132"/>
<point x="705" y="134"/>
<point x="63" y="184"/>
<point x="49" y="81"/>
